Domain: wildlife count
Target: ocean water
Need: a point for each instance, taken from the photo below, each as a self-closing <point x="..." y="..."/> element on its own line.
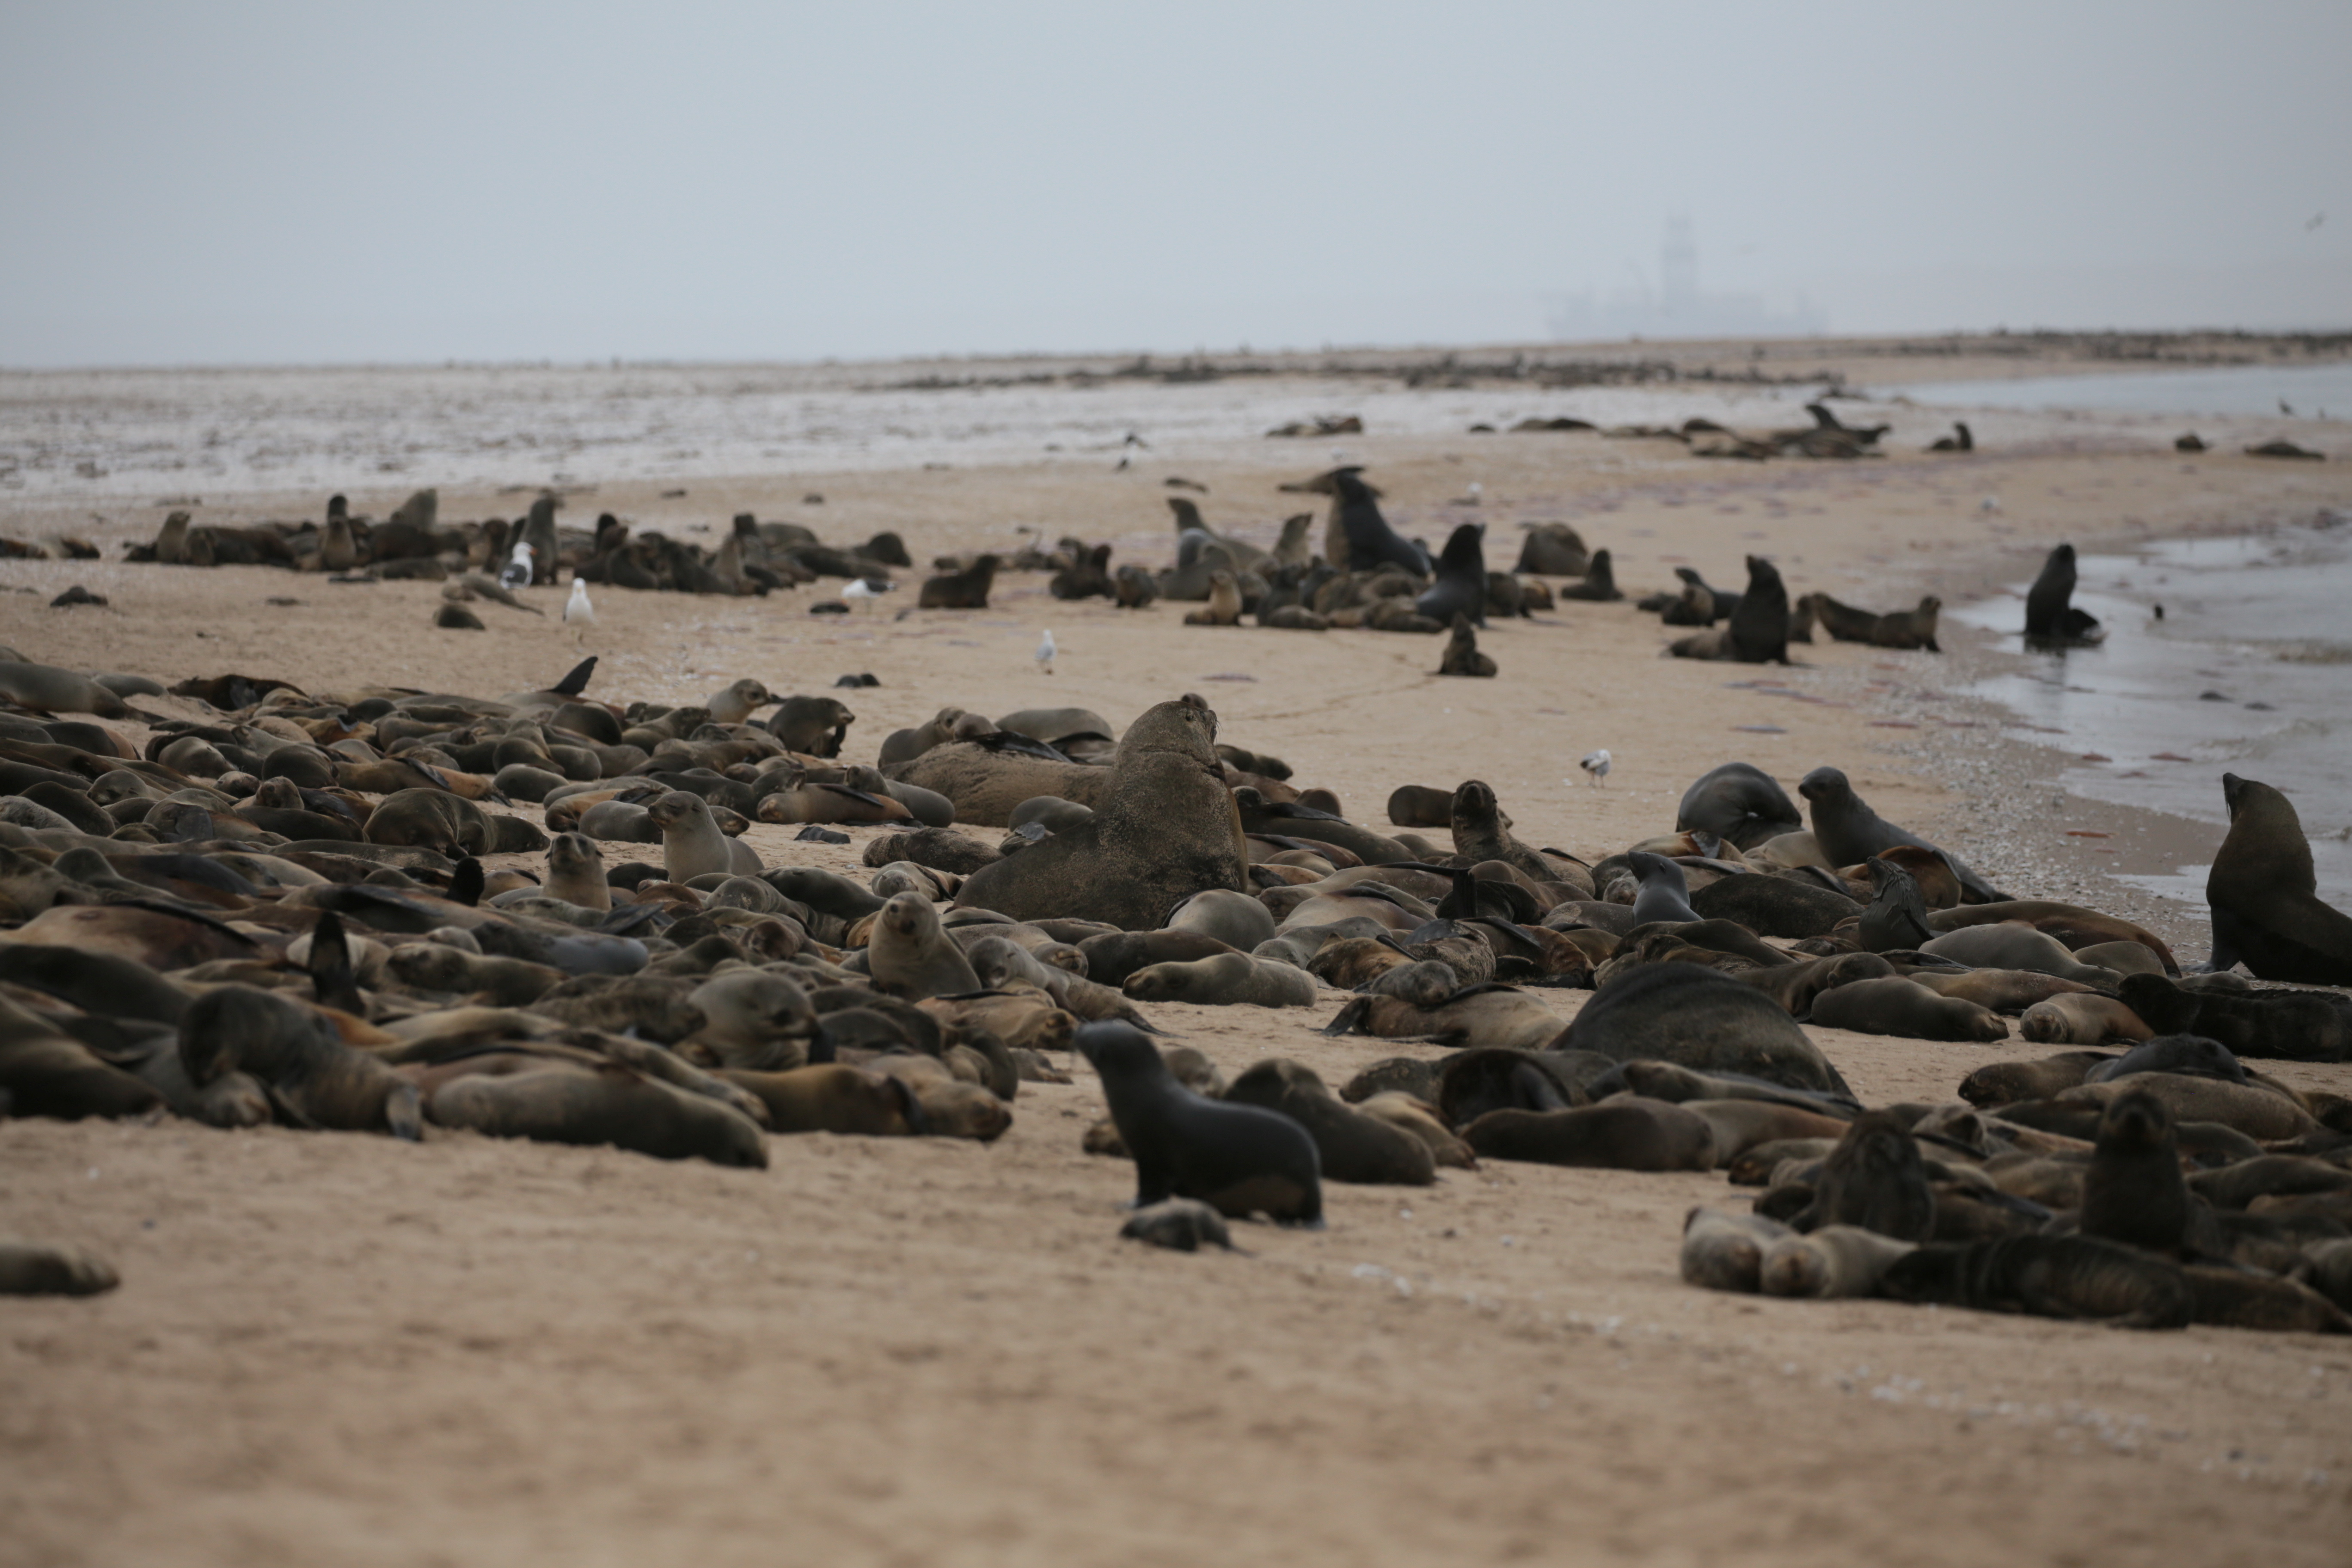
<point x="2249" y="671"/>
<point x="143" y="435"/>
<point x="2310" y="391"/>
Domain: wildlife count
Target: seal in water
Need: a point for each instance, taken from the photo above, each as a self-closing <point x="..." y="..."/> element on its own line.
<point x="1239" y="1159"/>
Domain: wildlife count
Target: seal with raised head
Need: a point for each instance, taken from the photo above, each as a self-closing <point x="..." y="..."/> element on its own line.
<point x="1665" y="891"/>
<point x="1741" y="802"/>
<point x="2263" y="894"/>
<point x="1356" y="537"/>
<point x="964" y="590"/>
<point x="2049" y="615"/>
<point x="1849" y="832"/>
<point x="1461" y="586"/>
<point x="911" y="956"/>
<point x="1239" y="1159"/>
<point x="1164" y="827"/>
<point x="1462" y="656"/>
<point x="2134" y="1192"/>
<point x="692" y="845"/>
<point x="1874" y="1179"/>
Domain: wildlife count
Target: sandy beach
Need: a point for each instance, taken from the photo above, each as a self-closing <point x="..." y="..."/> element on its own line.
<point x="343" y="1349"/>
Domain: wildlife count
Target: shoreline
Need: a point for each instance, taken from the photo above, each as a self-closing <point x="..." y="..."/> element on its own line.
<point x="929" y="1350"/>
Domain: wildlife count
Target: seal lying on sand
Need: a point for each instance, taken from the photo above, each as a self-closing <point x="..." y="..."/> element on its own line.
<point x="1849" y="832"/>
<point x="1164" y="828"/>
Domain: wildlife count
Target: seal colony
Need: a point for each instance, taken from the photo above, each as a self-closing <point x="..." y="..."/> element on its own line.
<point x="280" y="911"/>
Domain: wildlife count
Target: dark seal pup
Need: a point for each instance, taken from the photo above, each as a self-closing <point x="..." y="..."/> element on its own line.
<point x="1238" y="1159"/>
<point x="2264" y="895"/>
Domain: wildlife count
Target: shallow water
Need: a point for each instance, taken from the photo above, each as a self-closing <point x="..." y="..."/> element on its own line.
<point x="151" y="434"/>
<point x="2249" y="671"/>
<point x="2311" y="391"/>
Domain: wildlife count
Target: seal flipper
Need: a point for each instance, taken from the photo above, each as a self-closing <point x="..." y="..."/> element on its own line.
<point x="404" y="1112"/>
<point x="576" y="683"/>
<point x="332" y="983"/>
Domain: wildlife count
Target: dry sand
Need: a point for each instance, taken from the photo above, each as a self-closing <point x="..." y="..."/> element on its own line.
<point x="333" y="1348"/>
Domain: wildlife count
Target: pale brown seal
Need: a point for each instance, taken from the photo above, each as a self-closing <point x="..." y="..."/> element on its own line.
<point x="911" y="957"/>
<point x="1164" y="828"/>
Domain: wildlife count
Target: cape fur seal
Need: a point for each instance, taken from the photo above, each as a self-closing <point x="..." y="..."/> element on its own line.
<point x="1164" y="827"/>
<point x="2263" y="895"/>
<point x="1356" y="537"/>
<point x="1350" y="1145"/>
<point x="692" y="845"/>
<point x="1849" y="832"/>
<point x="1461" y="586"/>
<point x="2134" y="1192"/>
<point x="1741" y="802"/>
<point x="910" y="956"/>
<point x="1628" y="1133"/>
<point x="27" y="1270"/>
<point x="1874" y="1179"/>
<point x="2048" y="1276"/>
<point x="2050" y="615"/>
<point x="964" y="590"/>
<point x="1239" y="1159"/>
<point x="1462" y="656"/>
<point x="1698" y="1018"/>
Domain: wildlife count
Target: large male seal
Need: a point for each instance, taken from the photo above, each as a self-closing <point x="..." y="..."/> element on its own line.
<point x="1698" y="1018"/>
<point x="1164" y="828"/>
<point x="1356" y="537"/>
<point x="1760" y="625"/>
<point x="1849" y="832"/>
<point x="1239" y="1159"/>
<point x="2264" y="895"/>
<point x="911" y="956"/>
<point x="1461" y="588"/>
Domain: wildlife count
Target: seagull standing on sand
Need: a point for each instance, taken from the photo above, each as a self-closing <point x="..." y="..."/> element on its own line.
<point x="859" y="592"/>
<point x="577" y="610"/>
<point x="516" y="573"/>
<point x="1597" y="766"/>
<point x="1044" y="655"/>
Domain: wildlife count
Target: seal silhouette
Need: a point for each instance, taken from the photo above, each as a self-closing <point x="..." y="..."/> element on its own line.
<point x="2263" y="895"/>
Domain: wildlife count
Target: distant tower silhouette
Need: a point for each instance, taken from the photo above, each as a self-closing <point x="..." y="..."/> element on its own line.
<point x="1678" y="268"/>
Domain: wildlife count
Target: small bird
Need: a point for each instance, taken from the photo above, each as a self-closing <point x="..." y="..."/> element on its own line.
<point x="1597" y="766"/>
<point x="860" y="592"/>
<point x="2286" y="408"/>
<point x="577" y="610"/>
<point x="1990" y="503"/>
<point x="1044" y="655"/>
<point x="516" y="573"/>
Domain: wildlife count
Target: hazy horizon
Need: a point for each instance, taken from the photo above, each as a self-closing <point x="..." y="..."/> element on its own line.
<point x="266" y="183"/>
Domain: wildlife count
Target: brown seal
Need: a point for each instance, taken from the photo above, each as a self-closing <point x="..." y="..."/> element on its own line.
<point x="2263" y="895"/>
<point x="2049" y="1275"/>
<point x="1239" y="1159"/>
<point x="1225" y="605"/>
<point x="1462" y="656"/>
<point x="1835" y="1261"/>
<point x="27" y="1270"/>
<point x="1352" y="1146"/>
<point x="1628" y="1133"/>
<point x="1874" y="1179"/>
<point x="911" y="957"/>
<point x="964" y="590"/>
<point x="692" y="845"/>
<point x="2134" y="1192"/>
<point x="1726" y="1251"/>
<point x="2081" y="1018"/>
<point x="311" y="1076"/>
<point x="1164" y="828"/>
<point x="833" y="1098"/>
<point x="1894" y="1005"/>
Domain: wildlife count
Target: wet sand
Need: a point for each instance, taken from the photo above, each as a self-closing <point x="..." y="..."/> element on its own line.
<point x="343" y="1349"/>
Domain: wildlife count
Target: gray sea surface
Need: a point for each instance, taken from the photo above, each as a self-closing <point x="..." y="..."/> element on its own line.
<point x="2304" y="392"/>
<point x="2247" y="670"/>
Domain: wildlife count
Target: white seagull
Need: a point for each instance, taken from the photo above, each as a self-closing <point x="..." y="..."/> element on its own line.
<point x="1597" y="765"/>
<point x="1044" y="655"/>
<point x="577" y="610"/>
<point x="515" y="572"/>
<point x="861" y="592"/>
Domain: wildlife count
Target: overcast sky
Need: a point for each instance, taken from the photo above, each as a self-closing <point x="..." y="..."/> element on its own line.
<point x="310" y="181"/>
